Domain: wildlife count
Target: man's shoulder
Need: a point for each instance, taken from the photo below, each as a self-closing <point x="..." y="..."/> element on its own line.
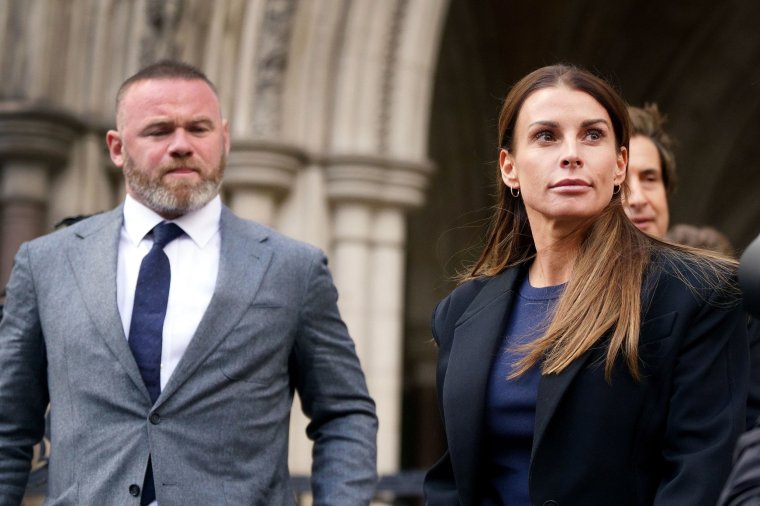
<point x="231" y="223"/>
<point x="81" y="226"/>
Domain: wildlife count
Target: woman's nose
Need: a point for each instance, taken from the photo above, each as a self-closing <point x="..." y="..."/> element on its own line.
<point x="570" y="158"/>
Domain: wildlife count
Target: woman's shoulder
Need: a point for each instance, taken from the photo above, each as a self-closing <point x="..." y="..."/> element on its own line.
<point x="468" y="289"/>
<point x="489" y="288"/>
<point x="460" y="298"/>
<point x="703" y="277"/>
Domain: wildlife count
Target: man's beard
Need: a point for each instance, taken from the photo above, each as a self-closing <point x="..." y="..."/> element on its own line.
<point x="173" y="198"/>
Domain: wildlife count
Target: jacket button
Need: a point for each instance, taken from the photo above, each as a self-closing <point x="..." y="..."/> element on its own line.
<point x="155" y="418"/>
<point x="134" y="490"/>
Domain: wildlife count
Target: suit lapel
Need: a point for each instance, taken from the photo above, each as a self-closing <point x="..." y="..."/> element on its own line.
<point x="93" y="259"/>
<point x="243" y="261"/>
<point x="477" y="336"/>
<point x="551" y="388"/>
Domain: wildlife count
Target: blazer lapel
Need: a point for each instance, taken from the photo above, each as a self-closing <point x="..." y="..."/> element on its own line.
<point x="477" y="336"/>
<point x="551" y="388"/>
<point x="93" y="258"/>
<point x="243" y="261"/>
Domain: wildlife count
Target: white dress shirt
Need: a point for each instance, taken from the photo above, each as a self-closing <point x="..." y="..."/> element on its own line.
<point x="194" y="261"/>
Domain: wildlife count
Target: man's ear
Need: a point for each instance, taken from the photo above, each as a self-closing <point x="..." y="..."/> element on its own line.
<point x="226" y="133"/>
<point x="115" y="148"/>
<point x="508" y="169"/>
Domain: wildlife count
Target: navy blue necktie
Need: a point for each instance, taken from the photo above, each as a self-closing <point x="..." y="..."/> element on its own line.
<point x="148" y="314"/>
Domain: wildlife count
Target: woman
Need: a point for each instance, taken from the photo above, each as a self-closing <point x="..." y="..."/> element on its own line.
<point x="583" y="362"/>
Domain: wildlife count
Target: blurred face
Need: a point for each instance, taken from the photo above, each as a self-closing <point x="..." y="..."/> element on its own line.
<point x="563" y="159"/>
<point x="647" y="203"/>
<point x="171" y="144"/>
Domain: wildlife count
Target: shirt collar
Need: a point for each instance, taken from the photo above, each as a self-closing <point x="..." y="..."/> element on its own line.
<point x="200" y="225"/>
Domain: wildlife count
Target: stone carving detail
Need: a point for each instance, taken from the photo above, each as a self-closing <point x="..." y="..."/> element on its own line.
<point x="162" y="21"/>
<point x="391" y="53"/>
<point x="271" y="64"/>
<point x="13" y="60"/>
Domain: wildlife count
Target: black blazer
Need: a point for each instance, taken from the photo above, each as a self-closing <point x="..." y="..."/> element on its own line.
<point x="664" y="440"/>
<point x="753" y="403"/>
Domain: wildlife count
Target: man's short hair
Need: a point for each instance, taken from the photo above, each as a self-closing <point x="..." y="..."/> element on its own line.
<point x="164" y="69"/>
<point x="649" y="122"/>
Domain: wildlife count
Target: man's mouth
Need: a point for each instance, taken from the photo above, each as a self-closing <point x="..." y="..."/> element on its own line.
<point x="642" y="223"/>
<point x="181" y="170"/>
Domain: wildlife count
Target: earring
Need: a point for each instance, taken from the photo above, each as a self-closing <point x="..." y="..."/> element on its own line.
<point x="512" y="191"/>
<point x="616" y="189"/>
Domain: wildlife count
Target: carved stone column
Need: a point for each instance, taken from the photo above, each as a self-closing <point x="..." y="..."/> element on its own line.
<point x="33" y="143"/>
<point x="370" y="197"/>
<point x="259" y="174"/>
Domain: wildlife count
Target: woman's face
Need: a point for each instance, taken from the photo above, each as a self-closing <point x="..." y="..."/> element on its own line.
<point x="563" y="158"/>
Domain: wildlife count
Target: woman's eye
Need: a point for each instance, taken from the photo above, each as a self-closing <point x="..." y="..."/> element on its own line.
<point x="544" y="135"/>
<point x="594" y="134"/>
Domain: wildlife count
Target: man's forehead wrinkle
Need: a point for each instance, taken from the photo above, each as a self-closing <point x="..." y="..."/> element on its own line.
<point x="173" y="120"/>
<point x="166" y="94"/>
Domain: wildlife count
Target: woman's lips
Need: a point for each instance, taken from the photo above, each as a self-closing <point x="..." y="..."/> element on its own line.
<point x="570" y="186"/>
<point x="570" y="183"/>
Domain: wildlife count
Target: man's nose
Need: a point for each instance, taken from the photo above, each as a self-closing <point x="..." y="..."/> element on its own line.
<point x="180" y="146"/>
<point x="635" y="197"/>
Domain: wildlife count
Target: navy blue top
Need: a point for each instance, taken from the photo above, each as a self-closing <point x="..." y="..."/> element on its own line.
<point x="510" y="408"/>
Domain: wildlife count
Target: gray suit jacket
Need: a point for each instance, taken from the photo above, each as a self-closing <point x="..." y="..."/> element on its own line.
<point x="218" y="433"/>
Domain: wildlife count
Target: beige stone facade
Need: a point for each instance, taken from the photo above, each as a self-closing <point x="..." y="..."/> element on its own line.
<point x="366" y="127"/>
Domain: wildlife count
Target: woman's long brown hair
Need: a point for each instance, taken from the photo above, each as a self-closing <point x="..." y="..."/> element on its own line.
<point x="603" y="294"/>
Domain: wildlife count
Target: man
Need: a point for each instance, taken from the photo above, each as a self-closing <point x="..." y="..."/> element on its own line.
<point x="171" y="372"/>
<point x="651" y="171"/>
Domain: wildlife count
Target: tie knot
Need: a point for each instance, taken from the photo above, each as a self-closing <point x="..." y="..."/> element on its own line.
<point x="164" y="233"/>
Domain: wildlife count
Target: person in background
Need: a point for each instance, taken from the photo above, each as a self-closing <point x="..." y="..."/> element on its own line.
<point x="651" y="171"/>
<point x="707" y="238"/>
<point x="651" y="179"/>
<point x="170" y="336"/>
<point x="581" y="361"/>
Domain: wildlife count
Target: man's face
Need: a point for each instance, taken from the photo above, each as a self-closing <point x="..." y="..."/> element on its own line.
<point x="171" y="144"/>
<point x="647" y="203"/>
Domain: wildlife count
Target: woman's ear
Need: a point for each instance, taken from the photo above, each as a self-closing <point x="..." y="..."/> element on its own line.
<point x="508" y="169"/>
<point x="621" y="166"/>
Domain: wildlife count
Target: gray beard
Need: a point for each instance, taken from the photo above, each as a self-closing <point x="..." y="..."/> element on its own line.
<point x="174" y="200"/>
